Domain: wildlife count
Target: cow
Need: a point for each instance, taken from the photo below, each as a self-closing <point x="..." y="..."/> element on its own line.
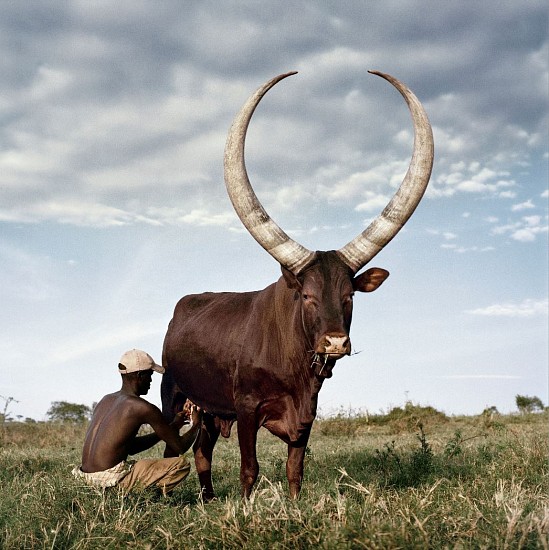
<point x="260" y="358"/>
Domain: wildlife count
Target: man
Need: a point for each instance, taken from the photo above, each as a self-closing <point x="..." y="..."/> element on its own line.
<point x="112" y="434"/>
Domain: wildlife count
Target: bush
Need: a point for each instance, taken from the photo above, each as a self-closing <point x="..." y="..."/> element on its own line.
<point x="526" y="404"/>
<point x="63" y="411"/>
<point x="398" y="419"/>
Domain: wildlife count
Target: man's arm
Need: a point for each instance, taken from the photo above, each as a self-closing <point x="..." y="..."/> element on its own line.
<point x="142" y="442"/>
<point x="189" y="437"/>
<point x="169" y="433"/>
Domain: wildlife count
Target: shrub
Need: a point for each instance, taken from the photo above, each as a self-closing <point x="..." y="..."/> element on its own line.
<point x="63" y="411"/>
<point x="526" y="404"/>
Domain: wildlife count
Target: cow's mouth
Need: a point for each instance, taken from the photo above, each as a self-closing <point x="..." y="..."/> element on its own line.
<point x="323" y="363"/>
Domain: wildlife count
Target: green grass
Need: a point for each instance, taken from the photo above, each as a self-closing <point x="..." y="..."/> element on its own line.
<point x="415" y="480"/>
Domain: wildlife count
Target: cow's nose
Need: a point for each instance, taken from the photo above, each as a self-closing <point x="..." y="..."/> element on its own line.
<point x="336" y="345"/>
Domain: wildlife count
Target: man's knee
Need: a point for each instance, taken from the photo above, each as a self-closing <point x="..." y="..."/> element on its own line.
<point x="165" y="473"/>
<point x="177" y="471"/>
<point x="180" y="463"/>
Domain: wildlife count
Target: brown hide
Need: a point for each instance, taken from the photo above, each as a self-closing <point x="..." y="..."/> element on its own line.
<point x="249" y="356"/>
<point x="261" y="357"/>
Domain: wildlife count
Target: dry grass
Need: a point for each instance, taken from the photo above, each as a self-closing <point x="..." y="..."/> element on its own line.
<point x="466" y="483"/>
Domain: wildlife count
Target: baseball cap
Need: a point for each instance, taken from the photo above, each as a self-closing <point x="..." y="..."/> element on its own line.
<point x="136" y="360"/>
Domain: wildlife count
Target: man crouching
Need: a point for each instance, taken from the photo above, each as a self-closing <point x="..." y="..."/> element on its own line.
<point x="112" y="434"/>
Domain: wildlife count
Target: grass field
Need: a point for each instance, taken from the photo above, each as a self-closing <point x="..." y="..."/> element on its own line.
<point x="408" y="479"/>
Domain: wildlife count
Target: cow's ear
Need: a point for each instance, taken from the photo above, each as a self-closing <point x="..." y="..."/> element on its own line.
<point x="370" y="280"/>
<point x="291" y="280"/>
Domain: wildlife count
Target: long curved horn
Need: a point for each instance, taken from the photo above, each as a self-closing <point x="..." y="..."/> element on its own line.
<point x="363" y="248"/>
<point x="263" y="229"/>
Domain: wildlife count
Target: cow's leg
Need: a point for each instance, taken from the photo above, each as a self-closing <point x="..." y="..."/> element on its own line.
<point x="203" y="452"/>
<point x="247" y="439"/>
<point x="294" y="466"/>
<point x="173" y="401"/>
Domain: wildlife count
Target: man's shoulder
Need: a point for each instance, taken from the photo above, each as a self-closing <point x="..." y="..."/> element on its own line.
<point x="127" y="407"/>
<point x="121" y="401"/>
<point x="106" y="402"/>
<point x="136" y="404"/>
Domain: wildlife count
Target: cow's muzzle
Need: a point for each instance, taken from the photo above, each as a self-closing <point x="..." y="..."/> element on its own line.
<point x="328" y="351"/>
<point x="335" y="346"/>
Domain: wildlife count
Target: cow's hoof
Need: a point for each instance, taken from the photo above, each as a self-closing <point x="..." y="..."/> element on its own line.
<point x="207" y="496"/>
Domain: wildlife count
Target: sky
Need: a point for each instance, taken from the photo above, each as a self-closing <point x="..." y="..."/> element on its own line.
<point x="113" y="120"/>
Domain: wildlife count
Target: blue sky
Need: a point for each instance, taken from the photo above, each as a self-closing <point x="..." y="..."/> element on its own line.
<point x="113" y="119"/>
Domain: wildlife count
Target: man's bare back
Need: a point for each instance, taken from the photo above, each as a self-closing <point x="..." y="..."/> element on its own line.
<point x="112" y="433"/>
<point x="115" y="423"/>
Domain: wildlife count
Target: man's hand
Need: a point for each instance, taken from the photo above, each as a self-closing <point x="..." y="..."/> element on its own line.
<point x="179" y="420"/>
<point x="191" y="414"/>
<point x="191" y="435"/>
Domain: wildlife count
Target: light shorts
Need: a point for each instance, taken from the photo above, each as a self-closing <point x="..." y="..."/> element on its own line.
<point x="164" y="473"/>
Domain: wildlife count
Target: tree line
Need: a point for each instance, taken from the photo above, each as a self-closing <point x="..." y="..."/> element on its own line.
<point x="77" y="413"/>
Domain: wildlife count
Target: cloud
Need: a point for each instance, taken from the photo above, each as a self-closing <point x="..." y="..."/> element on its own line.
<point x="118" y="117"/>
<point x="85" y="214"/>
<point x="480" y="377"/>
<point x="523" y="206"/>
<point x="527" y="234"/>
<point x="465" y="249"/>
<point x="374" y="203"/>
<point x="368" y="187"/>
<point x="474" y="179"/>
<point x="139" y="104"/>
<point x="203" y="218"/>
<point x="450" y="236"/>
<point x="446" y="235"/>
<point x="524" y="230"/>
<point x="526" y="308"/>
<point x="101" y="338"/>
<point x="73" y="212"/>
